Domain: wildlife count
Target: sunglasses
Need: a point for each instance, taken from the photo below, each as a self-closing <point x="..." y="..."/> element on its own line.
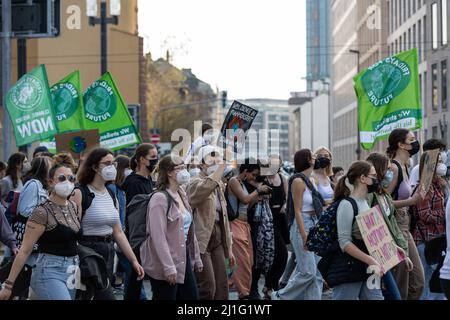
<point x="71" y="178"/>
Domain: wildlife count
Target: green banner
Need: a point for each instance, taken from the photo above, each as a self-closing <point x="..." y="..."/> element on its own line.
<point x="388" y="97"/>
<point x="67" y="97"/>
<point x="105" y="109"/>
<point x="29" y="106"/>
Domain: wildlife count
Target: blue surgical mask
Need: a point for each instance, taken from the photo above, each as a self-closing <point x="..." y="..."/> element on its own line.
<point x="388" y="177"/>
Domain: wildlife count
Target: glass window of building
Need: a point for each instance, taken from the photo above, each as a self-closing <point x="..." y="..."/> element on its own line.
<point x="444" y="26"/>
<point x="434" y="26"/>
<point x="434" y="81"/>
<point x="444" y="85"/>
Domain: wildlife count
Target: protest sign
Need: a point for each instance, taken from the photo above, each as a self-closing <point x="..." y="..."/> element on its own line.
<point x="77" y="142"/>
<point x="29" y="106"/>
<point x="378" y="239"/>
<point x="429" y="168"/>
<point x="237" y="122"/>
<point x="388" y="95"/>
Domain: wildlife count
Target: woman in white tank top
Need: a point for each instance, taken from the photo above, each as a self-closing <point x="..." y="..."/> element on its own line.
<point x="100" y="220"/>
<point x="322" y="173"/>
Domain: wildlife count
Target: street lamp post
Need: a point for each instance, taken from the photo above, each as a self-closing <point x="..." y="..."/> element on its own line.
<point x="103" y="21"/>
<point x="358" y="138"/>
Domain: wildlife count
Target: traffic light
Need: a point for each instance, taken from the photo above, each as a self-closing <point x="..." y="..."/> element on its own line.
<point x="224" y="99"/>
<point x="35" y="18"/>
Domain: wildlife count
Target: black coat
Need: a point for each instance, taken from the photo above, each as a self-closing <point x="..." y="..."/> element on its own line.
<point x="94" y="274"/>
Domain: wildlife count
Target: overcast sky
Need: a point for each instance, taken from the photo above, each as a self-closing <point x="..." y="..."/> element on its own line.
<point x="252" y="48"/>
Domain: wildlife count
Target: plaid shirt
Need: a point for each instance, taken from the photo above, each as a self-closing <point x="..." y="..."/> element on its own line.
<point x="430" y="215"/>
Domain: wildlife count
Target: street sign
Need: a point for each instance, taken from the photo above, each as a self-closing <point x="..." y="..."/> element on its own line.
<point x="155" y="138"/>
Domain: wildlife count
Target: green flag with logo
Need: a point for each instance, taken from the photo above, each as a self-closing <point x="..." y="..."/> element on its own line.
<point x="67" y="97"/>
<point x="388" y="97"/>
<point x="29" y="106"/>
<point x="105" y="109"/>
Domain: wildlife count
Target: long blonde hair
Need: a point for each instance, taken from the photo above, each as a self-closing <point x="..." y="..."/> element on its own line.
<point x="329" y="169"/>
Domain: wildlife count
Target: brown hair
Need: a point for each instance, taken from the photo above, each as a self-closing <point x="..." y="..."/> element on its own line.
<point x="39" y="171"/>
<point x="11" y="170"/>
<point x="86" y="174"/>
<point x="302" y="160"/>
<point x="381" y="165"/>
<point x="357" y="169"/>
<point x="123" y="162"/>
<point x="397" y="136"/>
<point x="141" y="152"/>
<point x="165" y="165"/>
<point x="65" y="159"/>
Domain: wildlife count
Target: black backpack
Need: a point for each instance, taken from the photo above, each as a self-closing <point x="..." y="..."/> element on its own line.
<point x="394" y="193"/>
<point x="87" y="197"/>
<point x="137" y="217"/>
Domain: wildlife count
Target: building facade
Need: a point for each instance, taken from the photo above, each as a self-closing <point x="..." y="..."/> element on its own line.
<point x="436" y="110"/>
<point x="317" y="41"/>
<point x="78" y="48"/>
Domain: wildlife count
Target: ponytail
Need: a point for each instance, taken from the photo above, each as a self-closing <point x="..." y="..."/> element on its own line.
<point x="341" y="190"/>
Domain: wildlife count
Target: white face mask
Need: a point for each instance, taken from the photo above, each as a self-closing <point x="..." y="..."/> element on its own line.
<point x="64" y="189"/>
<point x="183" y="177"/>
<point x="194" y="172"/>
<point x="207" y="138"/>
<point x="212" y="169"/>
<point x="127" y="172"/>
<point x="441" y="170"/>
<point x="109" y="173"/>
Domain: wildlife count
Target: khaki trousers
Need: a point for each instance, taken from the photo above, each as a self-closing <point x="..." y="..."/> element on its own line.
<point x="243" y="253"/>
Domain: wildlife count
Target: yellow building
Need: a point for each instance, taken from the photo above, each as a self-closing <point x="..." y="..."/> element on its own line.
<point x="78" y="48"/>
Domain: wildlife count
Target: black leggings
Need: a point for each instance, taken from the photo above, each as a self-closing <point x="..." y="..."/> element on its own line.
<point x="445" y="285"/>
<point x="273" y="277"/>
<point x="162" y="290"/>
<point x="134" y="288"/>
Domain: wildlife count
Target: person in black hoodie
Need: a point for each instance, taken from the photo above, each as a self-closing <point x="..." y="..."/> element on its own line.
<point x="142" y="163"/>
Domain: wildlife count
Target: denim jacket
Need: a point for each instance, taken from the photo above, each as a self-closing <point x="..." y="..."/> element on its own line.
<point x="32" y="195"/>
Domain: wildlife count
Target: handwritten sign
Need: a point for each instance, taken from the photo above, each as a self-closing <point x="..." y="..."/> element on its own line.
<point x="237" y="122"/>
<point x="77" y="142"/>
<point x="378" y="239"/>
<point x="429" y="168"/>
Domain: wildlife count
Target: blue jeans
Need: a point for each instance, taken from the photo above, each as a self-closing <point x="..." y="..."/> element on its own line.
<point x="306" y="282"/>
<point x="356" y="291"/>
<point x="428" y="271"/>
<point x="391" y="291"/>
<point x="53" y="277"/>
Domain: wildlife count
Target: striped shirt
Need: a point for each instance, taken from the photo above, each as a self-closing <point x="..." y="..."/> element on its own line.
<point x="101" y="216"/>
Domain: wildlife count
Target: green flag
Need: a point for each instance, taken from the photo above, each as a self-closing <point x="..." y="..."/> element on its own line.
<point x="388" y="97"/>
<point x="29" y="106"/>
<point x="67" y="97"/>
<point x="105" y="109"/>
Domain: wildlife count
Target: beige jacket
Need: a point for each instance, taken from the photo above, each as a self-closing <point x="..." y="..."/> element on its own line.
<point x="201" y="192"/>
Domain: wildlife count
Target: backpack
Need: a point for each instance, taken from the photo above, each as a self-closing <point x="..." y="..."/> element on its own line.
<point x="399" y="180"/>
<point x="232" y="214"/>
<point x="324" y="235"/>
<point x="87" y="197"/>
<point x="137" y="217"/>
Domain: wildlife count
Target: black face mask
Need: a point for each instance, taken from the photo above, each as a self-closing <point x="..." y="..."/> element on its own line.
<point x="322" y="163"/>
<point x="152" y="164"/>
<point x="374" y="187"/>
<point x="260" y="179"/>
<point x="415" y="148"/>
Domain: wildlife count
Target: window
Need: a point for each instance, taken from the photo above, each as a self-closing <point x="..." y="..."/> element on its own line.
<point x="404" y="10"/>
<point x="444" y="85"/>
<point x="444" y="27"/>
<point x="409" y="39"/>
<point x="414" y="39"/>
<point x="409" y="8"/>
<point x="434" y="25"/>
<point x="435" y="133"/>
<point x="284" y="118"/>
<point x="414" y="6"/>
<point x="434" y="82"/>
<point x="420" y="40"/>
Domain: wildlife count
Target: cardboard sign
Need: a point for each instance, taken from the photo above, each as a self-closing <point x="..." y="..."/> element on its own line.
<point x="77" y="142"/>
<point x="237" y="122"/>
<point x="378" y="239"/>
<point x="429" y="168"/>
